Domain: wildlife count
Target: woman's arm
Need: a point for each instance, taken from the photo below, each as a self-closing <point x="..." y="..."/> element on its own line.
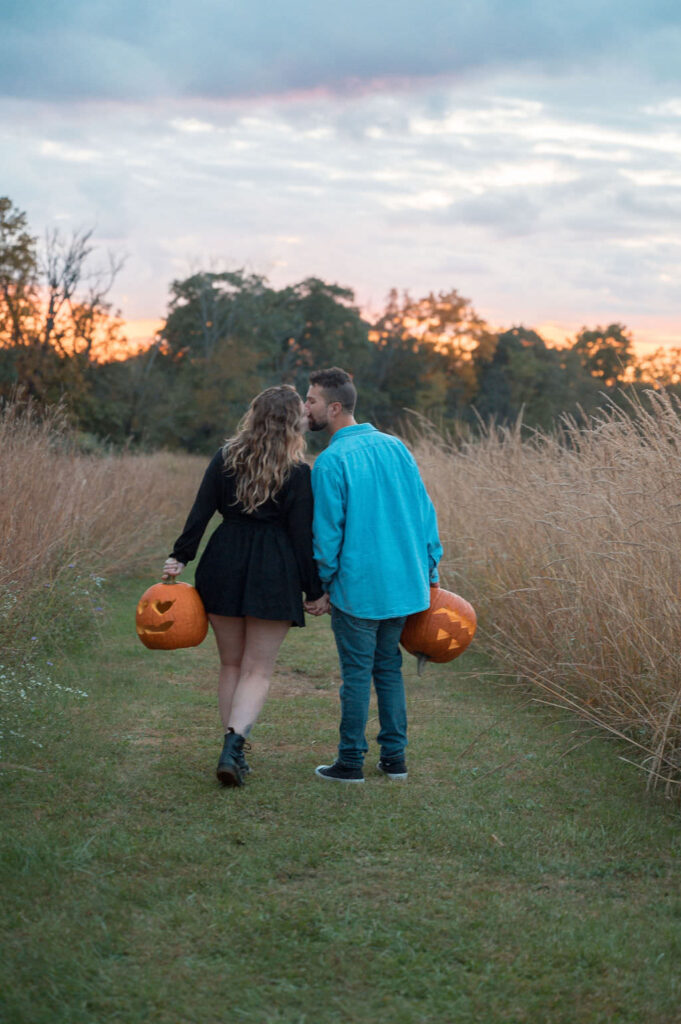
<point x="205" y="504"/>
<point x="298" y="517"/>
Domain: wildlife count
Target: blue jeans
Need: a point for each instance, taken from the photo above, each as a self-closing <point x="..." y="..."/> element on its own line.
<point x="366" y="648"/>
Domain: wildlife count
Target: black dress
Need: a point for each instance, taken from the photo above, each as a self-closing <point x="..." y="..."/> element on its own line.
<point x="255" y="563"/>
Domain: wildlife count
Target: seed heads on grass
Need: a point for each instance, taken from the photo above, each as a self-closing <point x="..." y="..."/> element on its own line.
<point x="569" y="547"/>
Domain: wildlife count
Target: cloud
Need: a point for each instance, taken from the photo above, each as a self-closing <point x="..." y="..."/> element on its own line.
<point x="540" y="198"/>
<point x="70" y="49"/>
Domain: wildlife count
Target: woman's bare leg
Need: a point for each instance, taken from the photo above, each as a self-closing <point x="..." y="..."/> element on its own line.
<point x="263" y="638"/>
<point x="230" y="636"/>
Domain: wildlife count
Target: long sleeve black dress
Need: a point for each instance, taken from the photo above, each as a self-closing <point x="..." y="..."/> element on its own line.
<point x="256" y="563"/>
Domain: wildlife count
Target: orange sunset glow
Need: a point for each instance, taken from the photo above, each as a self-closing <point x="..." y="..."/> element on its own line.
<point x="138" y="335"/>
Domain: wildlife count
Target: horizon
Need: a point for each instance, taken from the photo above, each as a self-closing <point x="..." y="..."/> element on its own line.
<point x="142" y="332"/>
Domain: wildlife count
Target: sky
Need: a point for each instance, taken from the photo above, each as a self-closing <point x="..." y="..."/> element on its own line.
<point x="525" y="152"/>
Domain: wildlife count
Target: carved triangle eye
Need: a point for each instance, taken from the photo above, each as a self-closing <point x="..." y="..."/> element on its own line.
<point x="162" y="606"/>
<point x="443" y="631"/>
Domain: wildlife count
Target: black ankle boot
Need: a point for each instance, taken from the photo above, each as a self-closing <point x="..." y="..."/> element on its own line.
<point x="229" y="770"/>
<point x="243" y="763"/>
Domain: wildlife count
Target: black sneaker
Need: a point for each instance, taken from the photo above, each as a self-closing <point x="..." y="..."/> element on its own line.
<point x="338" y="772"/>
<point x="396" y="771"/>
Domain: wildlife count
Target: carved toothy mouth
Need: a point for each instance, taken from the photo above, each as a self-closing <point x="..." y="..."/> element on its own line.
<point x="163" y="628"/>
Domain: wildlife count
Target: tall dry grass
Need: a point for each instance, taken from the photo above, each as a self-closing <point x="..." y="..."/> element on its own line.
<point x="569" y="545"/>
<point x="67" y="516"/>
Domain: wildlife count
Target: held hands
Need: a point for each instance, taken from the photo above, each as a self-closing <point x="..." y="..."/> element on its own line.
<point x="322" y="606"/>
<point x="172" y="568"/>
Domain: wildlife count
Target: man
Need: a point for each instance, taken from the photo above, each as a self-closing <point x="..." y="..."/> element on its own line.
<point x="377" y="549"/>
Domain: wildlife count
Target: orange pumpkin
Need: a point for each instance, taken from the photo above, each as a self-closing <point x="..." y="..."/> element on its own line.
<point x="171" y="615"/>
<point x="443" y="631"/>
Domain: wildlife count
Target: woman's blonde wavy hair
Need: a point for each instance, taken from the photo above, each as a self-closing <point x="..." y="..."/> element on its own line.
<point x="269" y="441"/>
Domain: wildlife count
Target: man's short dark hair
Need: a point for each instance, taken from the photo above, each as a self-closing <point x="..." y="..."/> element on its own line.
<point x="337" y="387"/>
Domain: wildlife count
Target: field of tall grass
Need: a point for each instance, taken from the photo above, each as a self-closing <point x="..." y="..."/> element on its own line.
<point x="569" y="546"/>
<point x="67" y="521"/>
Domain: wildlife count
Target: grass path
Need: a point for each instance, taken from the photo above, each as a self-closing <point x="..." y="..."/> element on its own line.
<point x="508" y="880"/>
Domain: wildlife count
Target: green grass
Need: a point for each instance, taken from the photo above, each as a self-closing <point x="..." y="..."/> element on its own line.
<point x="521" y="875"/>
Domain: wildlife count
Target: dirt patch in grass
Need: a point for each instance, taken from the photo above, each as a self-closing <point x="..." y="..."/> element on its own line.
<point x="156" y="738"/>
<point x="297" y="684"/>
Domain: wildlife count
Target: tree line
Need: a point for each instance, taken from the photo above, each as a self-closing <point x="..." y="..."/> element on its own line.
<point x="226" y="335"/>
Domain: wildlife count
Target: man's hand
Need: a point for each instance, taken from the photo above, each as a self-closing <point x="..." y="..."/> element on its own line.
<point x="319" y="607"/>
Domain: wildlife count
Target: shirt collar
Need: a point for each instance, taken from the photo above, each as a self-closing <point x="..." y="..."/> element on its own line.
<point x="353" y="429"/>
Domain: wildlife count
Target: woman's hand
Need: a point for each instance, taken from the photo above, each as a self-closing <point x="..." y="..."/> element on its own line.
<point x="322" y="606"/>
<point x="172" y="568"/>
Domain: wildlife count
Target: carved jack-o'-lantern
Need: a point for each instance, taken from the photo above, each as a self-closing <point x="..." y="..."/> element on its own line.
<point x="171" y="615"/>
<point x="441" y="632"/>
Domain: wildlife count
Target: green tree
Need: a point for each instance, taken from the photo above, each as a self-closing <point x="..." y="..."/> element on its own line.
<point x="661" y="368"/>
<point x="448" y="324"/>
<point x="398" y="367"/>
<point x="55" y="320"/>
<point x="525" y="376"/>
<point x="18" y="276"/>
<point x="605" y="353"/>
<point x="207" y="357"/>
<point x="228" y="335"/>
<point x="425" y="353"/>
<point x="325" y="328"/>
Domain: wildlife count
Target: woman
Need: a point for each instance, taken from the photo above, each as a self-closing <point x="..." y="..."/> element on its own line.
<point x="257" y="561"/>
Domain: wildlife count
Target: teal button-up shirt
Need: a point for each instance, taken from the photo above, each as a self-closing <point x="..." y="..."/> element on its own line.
<point x="375" y="530"/>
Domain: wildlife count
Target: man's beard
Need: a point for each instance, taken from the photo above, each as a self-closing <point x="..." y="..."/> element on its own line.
<point x="314" y="425"/>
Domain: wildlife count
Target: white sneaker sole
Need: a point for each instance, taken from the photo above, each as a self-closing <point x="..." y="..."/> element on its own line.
<point x="392" y="776"/>
<point x="329" y="778"/>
